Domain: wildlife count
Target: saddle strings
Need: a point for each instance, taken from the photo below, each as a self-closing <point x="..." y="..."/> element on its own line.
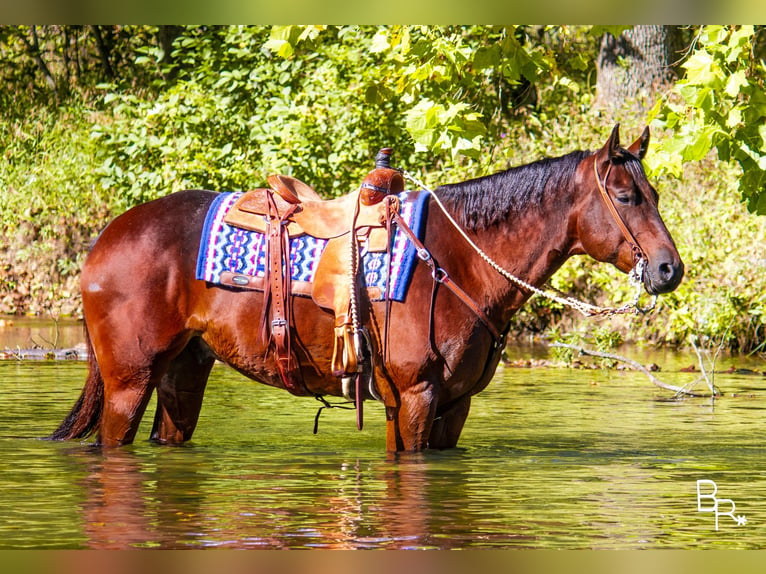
<point x="584" y="308"/>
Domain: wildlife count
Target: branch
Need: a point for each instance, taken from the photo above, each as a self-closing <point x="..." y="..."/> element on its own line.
<point x="636" y="365"/>
<point x="702" y="367"/>
<point x="33" y="50"/>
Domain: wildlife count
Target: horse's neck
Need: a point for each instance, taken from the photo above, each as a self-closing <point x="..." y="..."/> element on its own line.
<point x="531" y="246"/>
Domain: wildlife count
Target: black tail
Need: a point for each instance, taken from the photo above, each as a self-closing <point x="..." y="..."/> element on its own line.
<point x="85" y="416"/>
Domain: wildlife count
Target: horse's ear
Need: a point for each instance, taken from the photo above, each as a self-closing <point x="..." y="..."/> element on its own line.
<point x="612" y="146"/>
<point x="639" y="147"/>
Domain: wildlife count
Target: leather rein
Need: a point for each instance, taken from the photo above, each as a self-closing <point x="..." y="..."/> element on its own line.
<point x="441" y="277"/>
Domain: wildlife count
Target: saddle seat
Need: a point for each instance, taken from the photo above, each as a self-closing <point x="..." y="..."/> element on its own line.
<point x="292" y="189"/>
<point x="324" y="219"/>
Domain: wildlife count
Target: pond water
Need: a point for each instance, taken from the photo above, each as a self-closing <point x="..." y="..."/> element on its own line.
<point x="549" y="458"/>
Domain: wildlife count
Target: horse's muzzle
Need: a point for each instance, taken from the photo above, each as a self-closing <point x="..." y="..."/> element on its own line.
<point x="663" y="274"/>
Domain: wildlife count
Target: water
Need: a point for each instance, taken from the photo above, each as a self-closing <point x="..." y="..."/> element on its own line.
<point x="549" y="458"/>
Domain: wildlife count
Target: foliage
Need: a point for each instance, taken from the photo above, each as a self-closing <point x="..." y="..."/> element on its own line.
<point x="719" y="104"/>
<point x="222" y="107"/>
<point x="49" y="207"/>
<point x="317" y="102"/>
<point x="723" y="296"/>
<point x="237" y="112"/>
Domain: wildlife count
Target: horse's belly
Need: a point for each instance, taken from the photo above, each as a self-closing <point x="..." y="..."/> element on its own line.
<point x="231" y="326"/>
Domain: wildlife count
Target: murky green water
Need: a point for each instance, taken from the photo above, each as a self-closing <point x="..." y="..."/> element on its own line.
<point x="550" y="458"/>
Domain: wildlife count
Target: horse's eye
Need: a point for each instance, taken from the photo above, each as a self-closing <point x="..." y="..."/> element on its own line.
<point x="624" y="199"/>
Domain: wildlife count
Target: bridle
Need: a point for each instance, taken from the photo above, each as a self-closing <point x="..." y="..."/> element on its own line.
<point x="638" y="253"/>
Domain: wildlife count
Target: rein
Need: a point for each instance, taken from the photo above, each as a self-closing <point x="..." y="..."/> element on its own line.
<point x="586" y="309"/>
<point x="441" y="277"/>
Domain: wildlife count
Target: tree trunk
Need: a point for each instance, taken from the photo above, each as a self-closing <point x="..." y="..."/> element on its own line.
<point x="166" y="35"/>
<point x="103" y="51"/>
<point x="633" y="66"/>
<point x="67" y="59"/>
<point x="33" y="49"/>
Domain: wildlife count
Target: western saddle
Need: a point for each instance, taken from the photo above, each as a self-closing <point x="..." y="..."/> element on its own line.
<point x="290" y="208"/>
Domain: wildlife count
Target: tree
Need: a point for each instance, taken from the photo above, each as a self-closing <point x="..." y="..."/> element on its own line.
<point x="634" y="64"/>
<point x="719" y="104"/>
<point x="66" y="59"/>
<point x="314" y="101"/>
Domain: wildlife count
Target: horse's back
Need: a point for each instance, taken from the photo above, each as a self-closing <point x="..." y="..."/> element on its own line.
<point x="152" y="229"/>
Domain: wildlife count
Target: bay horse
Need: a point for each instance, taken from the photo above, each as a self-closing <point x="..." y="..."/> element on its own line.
<point x="150" y="324"/>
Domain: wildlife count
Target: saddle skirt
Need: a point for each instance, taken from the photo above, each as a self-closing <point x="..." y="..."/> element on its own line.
<point x="234" y="256"/>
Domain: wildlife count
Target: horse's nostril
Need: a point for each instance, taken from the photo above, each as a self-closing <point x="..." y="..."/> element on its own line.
<point x="664" y="277"/>
<point x="666" y="270"/>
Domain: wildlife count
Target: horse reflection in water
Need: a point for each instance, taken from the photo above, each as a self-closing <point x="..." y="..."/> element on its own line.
<point x="115" y="513"/>
<point x="152" y="325"/>
<point x="131" y="502"/>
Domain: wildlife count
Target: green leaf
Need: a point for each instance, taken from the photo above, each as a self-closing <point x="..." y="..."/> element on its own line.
<point x="282" y="48"/>
<point x="379" y="43"/>
<point x="759" y="204"/>
<point x="486" y="57"/>
<point x="699" y="146"/>
<point x="702" y="69"/>
<point x="739" y="42"/>
<point x="734" y="118"/>
<point x="735" y="83"/>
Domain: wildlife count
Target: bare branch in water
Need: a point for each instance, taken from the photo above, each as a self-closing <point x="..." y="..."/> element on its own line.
<point x="702" y="367"/>
<point x="636" y="365"/>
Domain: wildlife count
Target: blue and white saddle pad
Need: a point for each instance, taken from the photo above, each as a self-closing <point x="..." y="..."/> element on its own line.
<point x="226" y="248"/>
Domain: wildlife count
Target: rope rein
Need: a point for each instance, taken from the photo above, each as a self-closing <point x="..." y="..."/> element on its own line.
<point x="584" y="308"/>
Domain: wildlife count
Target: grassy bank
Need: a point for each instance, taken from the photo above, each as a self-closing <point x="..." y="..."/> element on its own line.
<point x="51" y="207"/>
<point x="55" y="200"/>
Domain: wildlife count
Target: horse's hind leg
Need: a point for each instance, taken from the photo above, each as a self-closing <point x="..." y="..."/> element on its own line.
<point x="448" y="424"/>
<point x="180" y="392"/>
<point x="131" y="369"/>
<point x="125" y="400"/>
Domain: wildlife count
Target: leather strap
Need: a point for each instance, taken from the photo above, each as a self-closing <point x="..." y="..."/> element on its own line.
<point x="638" y="253"/>
<point x="275" y="321"/>
<point x="393" y="205"/>
<point x="441" y="276"/>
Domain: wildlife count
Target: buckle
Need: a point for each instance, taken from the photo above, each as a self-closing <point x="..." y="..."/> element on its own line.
<point x="439" y="275"/>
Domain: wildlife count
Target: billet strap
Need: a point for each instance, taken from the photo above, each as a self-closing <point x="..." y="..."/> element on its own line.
<point x="440" y="276"/>
<point x="638" y="253"/>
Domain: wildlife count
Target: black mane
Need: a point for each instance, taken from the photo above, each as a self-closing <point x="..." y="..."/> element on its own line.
<point x="485" y="201"/>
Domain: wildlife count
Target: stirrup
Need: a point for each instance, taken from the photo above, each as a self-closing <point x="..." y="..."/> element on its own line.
<point x="365" y="371"/>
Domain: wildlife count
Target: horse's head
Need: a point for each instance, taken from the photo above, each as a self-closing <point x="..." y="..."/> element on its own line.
<point x="618" y="219"/>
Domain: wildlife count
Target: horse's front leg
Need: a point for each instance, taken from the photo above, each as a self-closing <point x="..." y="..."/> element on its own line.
<point x="409" y="422"/>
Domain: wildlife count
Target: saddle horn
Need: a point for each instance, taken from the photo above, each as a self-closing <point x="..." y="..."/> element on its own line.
<point x="381" y="181"/>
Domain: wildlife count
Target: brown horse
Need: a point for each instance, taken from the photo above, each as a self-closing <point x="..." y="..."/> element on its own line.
<point x="152" y="325"/>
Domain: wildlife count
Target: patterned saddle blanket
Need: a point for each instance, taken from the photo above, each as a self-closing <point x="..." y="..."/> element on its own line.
<point x="238" y="258"/>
